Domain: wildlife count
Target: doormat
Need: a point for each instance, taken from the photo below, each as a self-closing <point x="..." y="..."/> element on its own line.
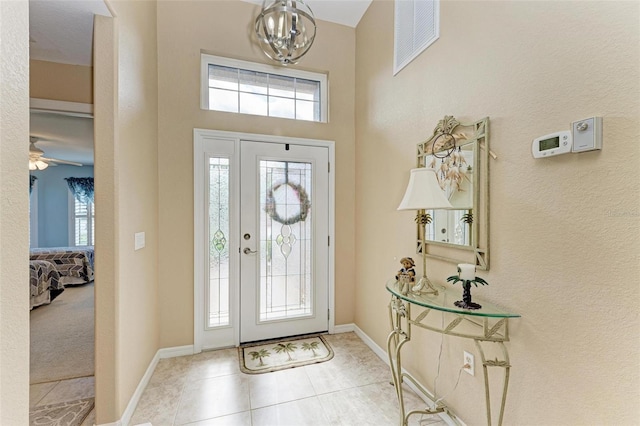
<point x="71" y="413"/>
<point x="275" y="355"/>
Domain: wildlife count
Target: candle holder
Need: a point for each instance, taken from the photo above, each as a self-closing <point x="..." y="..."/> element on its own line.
<point x="466" y="275"/>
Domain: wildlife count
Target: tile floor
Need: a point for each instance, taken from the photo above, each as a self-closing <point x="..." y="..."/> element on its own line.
<point x="62" y="391"/>
<point x="209" y="389"/>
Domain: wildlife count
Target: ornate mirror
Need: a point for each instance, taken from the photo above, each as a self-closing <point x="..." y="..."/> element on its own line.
<point x="459" y="153"/>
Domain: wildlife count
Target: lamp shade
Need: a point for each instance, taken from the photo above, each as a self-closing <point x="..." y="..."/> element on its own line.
<point x="423" y="192"/>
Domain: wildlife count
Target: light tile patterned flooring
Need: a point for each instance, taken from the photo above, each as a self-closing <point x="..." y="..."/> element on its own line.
<point x="209" y="389"/>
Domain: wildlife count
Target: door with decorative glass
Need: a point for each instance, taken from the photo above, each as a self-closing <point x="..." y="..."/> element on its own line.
<point x="284" y="227"/>
<point x="261" y="240"/>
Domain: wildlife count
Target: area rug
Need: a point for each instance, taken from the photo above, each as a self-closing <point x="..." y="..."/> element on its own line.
<point x="70" y="413"/>
<point x="275" y="355"/>
<point x="62" y="337"/>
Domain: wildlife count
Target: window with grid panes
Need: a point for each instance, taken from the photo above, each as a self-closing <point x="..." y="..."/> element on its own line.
<point x="81" y="222"/>
<point x="248" y="88"/>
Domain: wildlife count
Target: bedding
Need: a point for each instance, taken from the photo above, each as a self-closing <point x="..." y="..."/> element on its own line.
<point x="44" y="282"/>
<point x="74" y="264"/>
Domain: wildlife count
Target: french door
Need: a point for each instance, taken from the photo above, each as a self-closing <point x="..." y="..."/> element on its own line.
<point x="262" y="238"/>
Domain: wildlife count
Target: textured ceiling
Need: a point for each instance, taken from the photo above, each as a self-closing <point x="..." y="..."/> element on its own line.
<point x="62" y="30"/>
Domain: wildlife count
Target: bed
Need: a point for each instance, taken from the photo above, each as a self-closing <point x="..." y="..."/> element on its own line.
<point x="74" y="264"/>
<point x="44" y="282"/>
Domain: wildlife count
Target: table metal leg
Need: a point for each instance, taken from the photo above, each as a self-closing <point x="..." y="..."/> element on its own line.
<point x="504" y="363"/>
<point x="398" y="337"/>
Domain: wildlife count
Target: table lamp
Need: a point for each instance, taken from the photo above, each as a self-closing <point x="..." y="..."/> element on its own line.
<point x="424" y="193"/>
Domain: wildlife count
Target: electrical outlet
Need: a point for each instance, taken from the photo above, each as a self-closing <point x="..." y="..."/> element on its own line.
<point x="468" y="365"/>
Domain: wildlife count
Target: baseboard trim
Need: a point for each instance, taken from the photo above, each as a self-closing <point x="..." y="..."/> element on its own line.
<point x="175" y="351"/>
<point x="343" y="328"/>
<point x="135" y="398"/>
<point x="382" y="354"/>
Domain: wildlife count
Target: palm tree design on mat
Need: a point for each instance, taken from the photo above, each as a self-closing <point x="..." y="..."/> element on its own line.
<point x="286" y="348"/>
<point x="262" y="353"/>
<point x="311" y="346"/>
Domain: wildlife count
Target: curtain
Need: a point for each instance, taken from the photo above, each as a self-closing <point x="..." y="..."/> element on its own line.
<point x="81" y="188"/>
<point x="32" y="180"/>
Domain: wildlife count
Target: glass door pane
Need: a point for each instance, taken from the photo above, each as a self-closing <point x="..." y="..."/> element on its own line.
<point x="284" y="222"/>
<point x="217" y="290"/>
<point x="286" y="246"/>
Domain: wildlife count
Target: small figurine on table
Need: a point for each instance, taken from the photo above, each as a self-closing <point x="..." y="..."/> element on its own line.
<point x="406" y="275"/>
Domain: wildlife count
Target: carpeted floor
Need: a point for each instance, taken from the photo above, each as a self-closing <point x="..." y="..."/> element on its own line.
<point x="62" y="336"/>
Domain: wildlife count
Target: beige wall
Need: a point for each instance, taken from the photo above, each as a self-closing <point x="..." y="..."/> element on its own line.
<point x="564" y="230"/>
<point x="126" y="171"/>
<point x="137" y="199"/>
<point x="61" y="82"/>
<point x="14" y="213"/>
<point x="184" y="29"/>
<point x="104" y="127"/>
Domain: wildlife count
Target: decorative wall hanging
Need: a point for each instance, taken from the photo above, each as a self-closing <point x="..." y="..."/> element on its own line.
<point x="459" y="154"/>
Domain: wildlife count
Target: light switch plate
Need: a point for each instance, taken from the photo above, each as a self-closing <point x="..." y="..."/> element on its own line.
<point x="139" y="240"/>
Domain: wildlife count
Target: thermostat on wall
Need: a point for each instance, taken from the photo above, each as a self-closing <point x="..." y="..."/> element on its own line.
<point x="587" y="134"/>
<point x="552" y="144"/>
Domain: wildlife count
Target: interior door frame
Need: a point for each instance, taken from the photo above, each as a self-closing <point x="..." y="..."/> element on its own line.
<point x="200" y="136"/>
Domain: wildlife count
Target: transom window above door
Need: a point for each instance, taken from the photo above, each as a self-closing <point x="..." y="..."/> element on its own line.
<point x="231" y="85"/>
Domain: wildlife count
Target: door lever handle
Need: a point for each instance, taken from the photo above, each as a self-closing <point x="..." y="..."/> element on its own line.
<point x="247" y="250"/>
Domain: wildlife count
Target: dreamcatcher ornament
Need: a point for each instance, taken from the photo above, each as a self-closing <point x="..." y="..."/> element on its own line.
<point x="452" y="171"/>
<point x="453" y="168"/>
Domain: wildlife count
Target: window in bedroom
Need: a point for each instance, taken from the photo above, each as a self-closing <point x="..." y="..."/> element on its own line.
<point x="416" y="27"/>
<point x="250" y="88"/>
<point x="81" y="222"/>
<point x="33" y="212"/>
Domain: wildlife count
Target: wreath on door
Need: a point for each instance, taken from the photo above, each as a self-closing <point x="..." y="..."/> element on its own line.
<point x="301" y="194"/>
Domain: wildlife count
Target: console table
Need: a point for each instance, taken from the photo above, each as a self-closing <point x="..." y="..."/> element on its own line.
<point x="486" y="326"/>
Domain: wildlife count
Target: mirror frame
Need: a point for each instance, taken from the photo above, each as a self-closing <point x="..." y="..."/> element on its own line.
<point x="477" y="132"/>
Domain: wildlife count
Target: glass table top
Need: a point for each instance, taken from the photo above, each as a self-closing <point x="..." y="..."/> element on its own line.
<point x="445" y="299"/>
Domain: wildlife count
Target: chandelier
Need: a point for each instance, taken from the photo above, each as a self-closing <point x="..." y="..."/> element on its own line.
<point x="286" y="30"/>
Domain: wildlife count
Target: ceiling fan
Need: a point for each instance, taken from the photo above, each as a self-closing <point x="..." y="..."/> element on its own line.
<point x="37" y="161"/>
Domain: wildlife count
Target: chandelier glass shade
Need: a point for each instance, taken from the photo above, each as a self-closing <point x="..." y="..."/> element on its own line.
<point x="286" y="30"/>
